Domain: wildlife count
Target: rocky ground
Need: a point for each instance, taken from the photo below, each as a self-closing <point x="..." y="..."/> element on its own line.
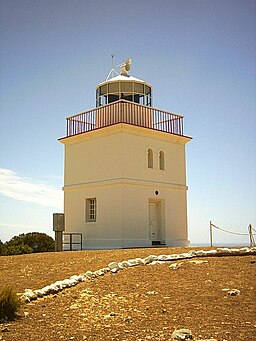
<point x="147" y="302"/>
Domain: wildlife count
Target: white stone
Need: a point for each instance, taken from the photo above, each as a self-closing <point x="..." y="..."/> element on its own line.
<point x="182" y="334"/>
<point x="223" y="250"/>
<point x="149" y="259"/>
<point x="114" y="270"/>
<point x="175" y="256"/>
<point x="58" y="285"/>
<point x="113" y="265"/>
<point x="210" y="252"/>
<point x="152" y="292"/>
<point x="89" y="274"/>
<point x="175" y="266"/>
<point x="185" y="255"/>
<point x="235" y="251"/>
<point x="29" y="295"/>
<point x="163" y="257"/>
<point x="234" y="292"/>
<point x="139" y="261"/>
<point x="194" y="261"/>
<point x="45" y="290"/>
<point x="192" y="253"/>
<point x="200" y="253"/>
<point x="124" y="264"/>
<point x="134" y="262"/>
<point x="38" y="293"/>
<point x="99" y="272"/>
<point x="244" y="250"/>
<point x="78" y="278"/>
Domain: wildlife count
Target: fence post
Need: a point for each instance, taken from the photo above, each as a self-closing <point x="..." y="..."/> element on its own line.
<point x="211" y="233"/>
<point x="252" y="242"/>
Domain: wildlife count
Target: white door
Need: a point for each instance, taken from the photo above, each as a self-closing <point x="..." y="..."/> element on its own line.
<point x="154" y="224"/>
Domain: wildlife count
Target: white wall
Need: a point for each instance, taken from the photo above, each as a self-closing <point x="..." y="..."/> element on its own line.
<point x="110" y="164"/>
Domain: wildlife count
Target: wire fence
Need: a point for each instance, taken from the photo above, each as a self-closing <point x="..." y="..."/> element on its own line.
<point x="251" y="233"/>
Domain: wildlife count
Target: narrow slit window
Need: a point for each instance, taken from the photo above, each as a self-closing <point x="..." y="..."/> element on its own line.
<point x="161" y="161"/>
<point x="91" y="209"/>
<point x="150" y="158"/>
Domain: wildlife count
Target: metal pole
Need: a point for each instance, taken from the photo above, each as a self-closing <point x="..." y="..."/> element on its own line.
<point x="70" y="242"/>
<point x="58" y="241"/>
<point x="250" y="233"/>
<point x="211" y="233"/>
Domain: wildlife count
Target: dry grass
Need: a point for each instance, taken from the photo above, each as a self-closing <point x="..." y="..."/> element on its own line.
<point x="139" y="303"/>
<point x="9" y="304"/>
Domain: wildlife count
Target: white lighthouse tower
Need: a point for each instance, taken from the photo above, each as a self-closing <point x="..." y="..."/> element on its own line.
<point x="125" y="169"/>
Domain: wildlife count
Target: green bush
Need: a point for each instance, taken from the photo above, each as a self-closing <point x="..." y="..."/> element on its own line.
<point x="19" y="249"/>
<point x="38" y="242"/>
<point x="27" y="243"/>
<point x="9" y="304"/>
<point x="2" y="249"/>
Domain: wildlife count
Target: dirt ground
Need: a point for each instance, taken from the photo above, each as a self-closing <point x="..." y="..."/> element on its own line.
<point x="140" y="303"/>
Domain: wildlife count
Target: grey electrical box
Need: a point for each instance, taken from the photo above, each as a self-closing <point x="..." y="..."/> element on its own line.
<point x="58" y="222"/>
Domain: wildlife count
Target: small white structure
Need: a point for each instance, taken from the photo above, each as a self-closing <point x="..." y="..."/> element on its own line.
<point x="125" y="170"/>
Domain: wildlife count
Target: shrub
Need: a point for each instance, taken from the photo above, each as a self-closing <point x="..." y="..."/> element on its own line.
<point x="9" y="304"/>
<point x="2" y="248"/>
<point x="18" y="249"/>
<point x="38" y="242"/>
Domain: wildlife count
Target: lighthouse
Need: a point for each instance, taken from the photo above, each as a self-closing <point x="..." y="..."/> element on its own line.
<point x="125" y="169"/>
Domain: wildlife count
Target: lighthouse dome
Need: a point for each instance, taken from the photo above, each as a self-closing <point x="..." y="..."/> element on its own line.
<point x="124" y="87"/>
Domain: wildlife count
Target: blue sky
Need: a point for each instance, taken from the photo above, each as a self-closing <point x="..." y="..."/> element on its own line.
<point x="199" y="55"/>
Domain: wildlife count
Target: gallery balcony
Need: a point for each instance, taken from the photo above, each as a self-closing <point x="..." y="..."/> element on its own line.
<point x="127" y="112"/>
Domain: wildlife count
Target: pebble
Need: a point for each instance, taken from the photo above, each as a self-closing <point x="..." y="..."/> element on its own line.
<point x="182" y="334"/>
<point x="231" y="292"/>
<point x="152" y="292"/>
<point x="198" y="261"/>
<point x="175" y="266"/>
<point x="234" y="292"/>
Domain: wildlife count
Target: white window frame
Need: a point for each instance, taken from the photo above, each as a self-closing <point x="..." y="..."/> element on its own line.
<point x="90" y="210"/>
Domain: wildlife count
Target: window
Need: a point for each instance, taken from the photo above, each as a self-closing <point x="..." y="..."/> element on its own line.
<point x="161" y="160"/>
<point x="113" y="87"/>
<point x="90" y="209"/>
<point x="126" y="87"/>
<point x="150" y="158"/>
<point x="104" y="89"/>
<point x="139" y="88"/>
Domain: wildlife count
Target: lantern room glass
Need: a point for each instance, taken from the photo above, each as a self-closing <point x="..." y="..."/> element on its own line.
<point x="133" y="91"/>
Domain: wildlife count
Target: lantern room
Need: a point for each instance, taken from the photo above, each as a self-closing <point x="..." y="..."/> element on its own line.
<point x="124" y="87"/>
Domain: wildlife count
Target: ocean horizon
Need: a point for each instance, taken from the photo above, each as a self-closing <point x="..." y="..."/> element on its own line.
<point x="194" y="244"/>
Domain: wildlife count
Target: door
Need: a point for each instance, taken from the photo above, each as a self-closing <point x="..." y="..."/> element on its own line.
<point x="154" y="223"/>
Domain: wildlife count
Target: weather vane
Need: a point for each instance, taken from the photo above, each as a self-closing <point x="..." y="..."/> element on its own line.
<point x="125" y="67"/>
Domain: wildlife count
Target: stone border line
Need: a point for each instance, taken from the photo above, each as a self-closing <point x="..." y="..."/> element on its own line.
<point x="113" y="267"/>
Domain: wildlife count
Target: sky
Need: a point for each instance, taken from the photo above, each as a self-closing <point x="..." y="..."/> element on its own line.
<point x="200" y="57"/>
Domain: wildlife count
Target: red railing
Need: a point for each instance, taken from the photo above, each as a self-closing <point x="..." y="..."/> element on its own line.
<point x="125" y="112"/>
